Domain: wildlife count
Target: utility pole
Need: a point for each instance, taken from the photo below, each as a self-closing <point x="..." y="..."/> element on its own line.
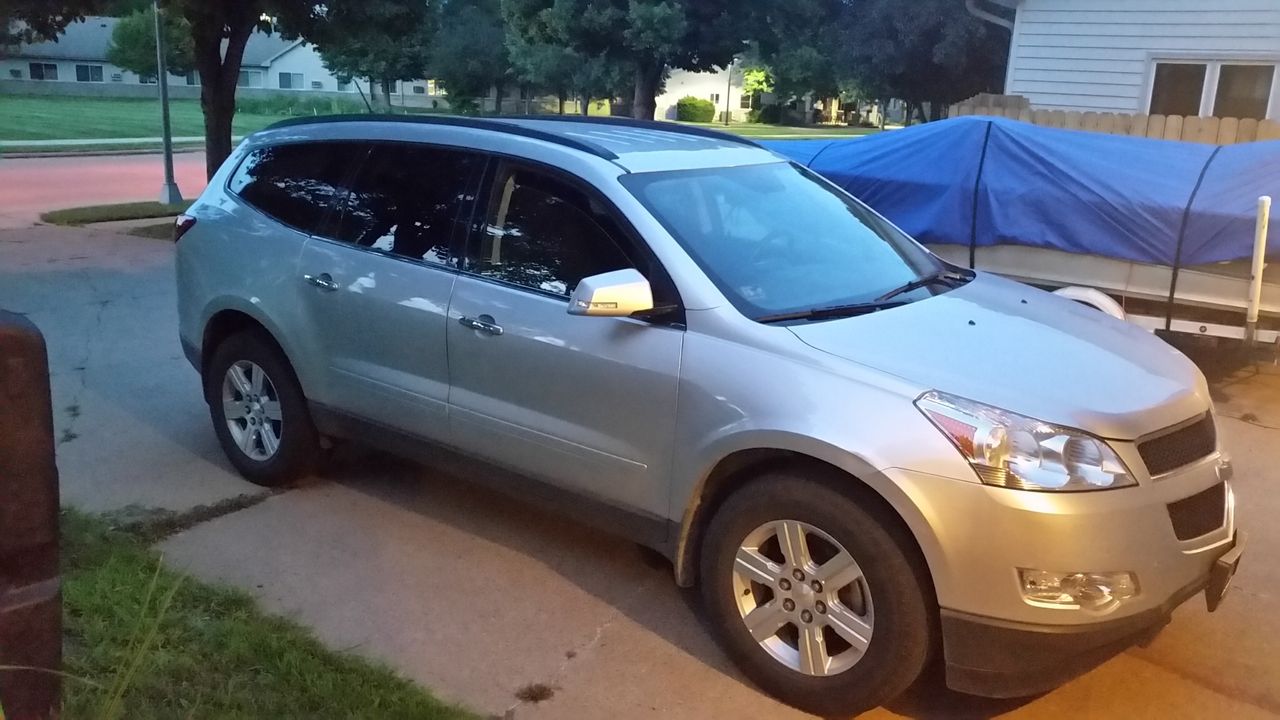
<point x="727" y="93"/>
<point x="169" y="193"/>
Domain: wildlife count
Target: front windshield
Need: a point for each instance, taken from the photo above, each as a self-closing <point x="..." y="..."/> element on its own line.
<point x="777" y="239"/>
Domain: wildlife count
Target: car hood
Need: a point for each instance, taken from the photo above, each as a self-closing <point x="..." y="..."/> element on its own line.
<point x="1018" y="348"/>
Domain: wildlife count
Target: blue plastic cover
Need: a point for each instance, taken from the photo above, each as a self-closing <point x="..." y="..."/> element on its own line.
<point x="989" y="181"/>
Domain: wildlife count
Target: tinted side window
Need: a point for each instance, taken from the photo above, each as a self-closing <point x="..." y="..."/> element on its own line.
<point x="406" y="200"/>
<point x="541" y="233"/>
<point x="297" y="184"/>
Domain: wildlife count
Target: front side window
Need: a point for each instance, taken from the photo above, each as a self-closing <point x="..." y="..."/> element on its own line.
<point x="249" y="78"/>
<point x="776" y="239"/>
<point x="405" y="201"/>
<point x="1178" y="88"/>
<point x="543" y="234"/>
<point x="290" y="81"/>
<point x="297" y="184"/>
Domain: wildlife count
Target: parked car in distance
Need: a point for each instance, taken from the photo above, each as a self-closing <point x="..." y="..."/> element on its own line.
<point x="864" y="457"/>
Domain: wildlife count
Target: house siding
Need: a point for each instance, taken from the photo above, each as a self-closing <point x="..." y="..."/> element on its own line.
<point x="704" y="85"/>
<point x="1099" y="54"/>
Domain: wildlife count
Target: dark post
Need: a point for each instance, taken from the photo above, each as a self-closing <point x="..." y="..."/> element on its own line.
<point x="30" y="597"/>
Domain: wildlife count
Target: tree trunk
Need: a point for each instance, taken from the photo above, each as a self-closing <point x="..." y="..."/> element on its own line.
<point x="386" y="85"/>
<point x="584" y="104"/>
<point x="935" y="110"/>
<point x="560" y="96"/>
<point x="219" y="75"/>
<point x="648" y="78"/>
<point x="498" y="92"/>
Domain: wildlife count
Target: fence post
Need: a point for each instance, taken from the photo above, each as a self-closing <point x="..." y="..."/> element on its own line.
<point x="30" y="597"/>
<point x="1255" y="276"/>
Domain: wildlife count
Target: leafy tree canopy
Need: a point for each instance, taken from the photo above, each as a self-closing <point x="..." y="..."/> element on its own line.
<point x="470" y="53"/>
<point x="930" y="51"/>
<point x="386" y="40"/>
<point x="133" y="43"/>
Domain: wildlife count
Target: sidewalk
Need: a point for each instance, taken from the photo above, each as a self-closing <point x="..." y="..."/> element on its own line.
<point x="96" y="142"/>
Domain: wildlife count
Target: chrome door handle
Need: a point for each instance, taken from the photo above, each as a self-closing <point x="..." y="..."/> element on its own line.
<point x="484" y="324"/>
<point x="324" y="281"/>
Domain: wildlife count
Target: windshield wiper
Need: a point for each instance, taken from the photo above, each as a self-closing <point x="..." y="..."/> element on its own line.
<point x="835" y="311"/>
<point x="941" y="276"/>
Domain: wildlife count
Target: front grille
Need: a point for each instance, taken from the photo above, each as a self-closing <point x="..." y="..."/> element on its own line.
<point x="1199" y="514"/>
<point x="1172" y="450"/>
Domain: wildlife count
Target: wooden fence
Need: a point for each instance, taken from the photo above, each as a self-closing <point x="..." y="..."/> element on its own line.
<point x="1212" y="130"/>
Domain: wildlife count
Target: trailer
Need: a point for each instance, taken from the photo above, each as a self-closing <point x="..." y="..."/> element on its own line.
<point x="1169" y="235"/>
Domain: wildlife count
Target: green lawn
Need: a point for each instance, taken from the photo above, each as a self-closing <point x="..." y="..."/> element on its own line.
<point x="108" y="213"/>
<point x="146" y="643"/>
<point x="30" y="117"/>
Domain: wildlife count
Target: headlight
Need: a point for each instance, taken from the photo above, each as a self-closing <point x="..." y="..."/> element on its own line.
<point x="1014" y="451"/>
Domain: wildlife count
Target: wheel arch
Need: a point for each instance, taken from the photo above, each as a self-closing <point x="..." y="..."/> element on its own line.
<point x="839" y="469"/>
<point x="228" y="321"/>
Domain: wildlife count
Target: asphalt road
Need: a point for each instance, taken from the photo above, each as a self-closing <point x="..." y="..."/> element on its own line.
<point x="30" y="186"/>
<point x="477" y="596"/>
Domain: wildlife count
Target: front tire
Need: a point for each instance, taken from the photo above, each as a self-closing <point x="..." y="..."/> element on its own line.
<point x="814" y="596"/>
<point x="259" y="412"/>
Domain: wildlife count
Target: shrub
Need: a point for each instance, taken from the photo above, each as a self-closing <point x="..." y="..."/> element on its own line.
<point x="769" y="114"/>
<point x="692" y="109"/>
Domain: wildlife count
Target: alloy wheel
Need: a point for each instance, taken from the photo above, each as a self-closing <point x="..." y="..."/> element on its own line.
<point x="251" y="408"/>
<point x="803" y="597"/>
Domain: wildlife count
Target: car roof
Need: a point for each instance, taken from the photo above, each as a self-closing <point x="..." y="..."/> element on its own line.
<point x="634" y="145"/>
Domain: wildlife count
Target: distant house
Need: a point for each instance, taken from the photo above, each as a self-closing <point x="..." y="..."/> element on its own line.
<point x="1202" y="58"/>
<point x="722" y="87"/>
<point x="77" y="62"/>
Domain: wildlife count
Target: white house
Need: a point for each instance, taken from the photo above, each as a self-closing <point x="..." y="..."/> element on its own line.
<point x="722" y="87"/>
<point x="1172" y="57"/>
<point x="77" y="64"/>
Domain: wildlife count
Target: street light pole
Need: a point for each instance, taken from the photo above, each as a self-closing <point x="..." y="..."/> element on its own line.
<point x="169" y="193"/>
<point x="727" y="93"/>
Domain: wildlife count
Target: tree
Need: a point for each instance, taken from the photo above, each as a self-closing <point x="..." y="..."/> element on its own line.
<point x="133" y="44"/>
<point x="647" y="37"/>
<point x="384" y="40"/>
<point x="28" y="21"/>
<point x="797" y="41"/>
<point x="220" y="29"/>
<point x="470" y="54"/>
<point x="544" y="57"/>
<point x="931" y="51"/>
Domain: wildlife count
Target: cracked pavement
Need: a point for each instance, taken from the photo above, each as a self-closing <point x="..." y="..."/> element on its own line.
<point x="478" y="596"/>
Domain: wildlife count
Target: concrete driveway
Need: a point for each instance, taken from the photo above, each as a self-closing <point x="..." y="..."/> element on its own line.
<point x="480" y="597"/>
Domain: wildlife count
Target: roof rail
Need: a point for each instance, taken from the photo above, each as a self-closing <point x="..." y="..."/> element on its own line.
<point x="656" y="125"/>
<point x="454" y="121"/>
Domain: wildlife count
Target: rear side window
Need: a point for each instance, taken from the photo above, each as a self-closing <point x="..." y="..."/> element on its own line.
<point x="297" y="184"/>
<point x="406" y="199"/>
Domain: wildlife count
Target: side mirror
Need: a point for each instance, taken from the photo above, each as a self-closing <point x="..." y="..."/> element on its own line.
<point x="613" y="294"/>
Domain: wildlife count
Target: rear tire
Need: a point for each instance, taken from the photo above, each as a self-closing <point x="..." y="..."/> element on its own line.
<point x="840" y="648"/>
<point x="259" y="412"/>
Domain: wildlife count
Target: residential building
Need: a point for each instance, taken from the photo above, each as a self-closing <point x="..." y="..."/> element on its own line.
<point x="76" y="64"/>
<point x="1166" y="57"/>
<point x="723" y="87"/>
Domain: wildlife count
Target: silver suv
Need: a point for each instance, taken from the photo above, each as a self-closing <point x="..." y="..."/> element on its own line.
<point x="865" y="458"/>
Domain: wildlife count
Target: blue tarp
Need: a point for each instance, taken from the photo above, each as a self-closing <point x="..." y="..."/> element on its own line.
<point x="991" y="181"/>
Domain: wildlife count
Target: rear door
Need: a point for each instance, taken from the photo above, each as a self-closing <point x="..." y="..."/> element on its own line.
<point x="584" y="402"/>
<point x="377" y="281"/>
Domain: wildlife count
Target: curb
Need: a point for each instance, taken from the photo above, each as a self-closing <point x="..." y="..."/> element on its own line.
<point x="26" y="154"/>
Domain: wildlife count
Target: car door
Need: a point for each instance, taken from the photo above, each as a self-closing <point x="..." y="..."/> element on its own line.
<point x="584" y="402"/>
<point x="377" y="283"/>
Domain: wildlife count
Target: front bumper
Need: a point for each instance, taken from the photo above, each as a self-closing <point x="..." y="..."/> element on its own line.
<point x="1002" y="659"/>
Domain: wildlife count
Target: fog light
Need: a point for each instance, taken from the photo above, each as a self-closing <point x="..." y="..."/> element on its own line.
<point x="1070" y="591"/>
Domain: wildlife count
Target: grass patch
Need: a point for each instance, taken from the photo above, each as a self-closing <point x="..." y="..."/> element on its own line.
<point x="211" y="654"/>
<point x="40" y="117"/>
<point x="109" y="213"/>
<point x="159" y="231"/>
